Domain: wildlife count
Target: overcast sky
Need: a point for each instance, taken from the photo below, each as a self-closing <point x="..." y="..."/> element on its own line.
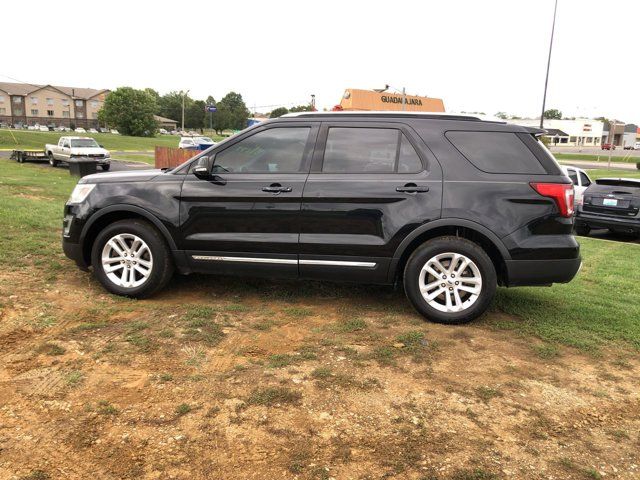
<point x="477" y="55"/>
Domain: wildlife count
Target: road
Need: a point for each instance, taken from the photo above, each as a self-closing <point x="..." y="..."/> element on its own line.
<point x="116" y="165"/>
<point x="590" y="164"/>
<point x="618" y="152"/>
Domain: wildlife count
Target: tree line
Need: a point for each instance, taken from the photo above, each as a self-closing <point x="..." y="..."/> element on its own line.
<point x="132" y="110"/>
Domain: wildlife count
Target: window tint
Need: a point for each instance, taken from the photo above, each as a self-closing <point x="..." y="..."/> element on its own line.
<point x="584" y="180"/>
<point x="369" y="150"/>
<point x="270" y="151"/>
<point x="360" y="150"/>
<point x="496" y="152"/>
<point x="409" y="161"/>
<point x="573" y="176"/>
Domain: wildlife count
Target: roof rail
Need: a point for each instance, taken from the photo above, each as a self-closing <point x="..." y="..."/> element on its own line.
<point x="386" y="113"/>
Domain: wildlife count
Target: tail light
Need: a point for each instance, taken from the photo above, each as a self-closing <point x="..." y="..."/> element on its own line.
<point x="562" y="193"/>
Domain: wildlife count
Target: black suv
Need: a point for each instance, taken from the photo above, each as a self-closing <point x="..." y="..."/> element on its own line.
<point x="612" y="203"/>
<point x="451" y="205"/>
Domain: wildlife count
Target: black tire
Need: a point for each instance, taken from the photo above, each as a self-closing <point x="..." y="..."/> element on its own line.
<point x="458" y="245"/>
<point x="20" y="158"/>
<point x="583" y="230"/>
<point x="162" y="266"/>
<point x="52" y="161"/>
<point x="105" y="167"/>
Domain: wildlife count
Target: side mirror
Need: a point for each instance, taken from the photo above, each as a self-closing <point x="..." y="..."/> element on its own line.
<point x="201" y="172"/>
<point x="101" y="146"/>
<point x="202" y="167"/>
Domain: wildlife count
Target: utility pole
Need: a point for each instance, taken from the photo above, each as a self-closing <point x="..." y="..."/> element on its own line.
<point x="184" y="95"/>
<point x="546" y="80"/>
<point x="404" y="99"/>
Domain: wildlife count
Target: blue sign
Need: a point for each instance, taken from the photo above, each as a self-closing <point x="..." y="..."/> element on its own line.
<point x="210" y="108"/>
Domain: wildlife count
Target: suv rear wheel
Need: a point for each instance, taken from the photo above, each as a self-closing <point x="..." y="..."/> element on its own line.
<point x="130" y="257"/>
<point x="450" y="280"/>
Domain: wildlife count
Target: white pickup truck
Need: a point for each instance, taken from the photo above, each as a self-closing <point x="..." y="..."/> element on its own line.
<point x="69" y="149"/>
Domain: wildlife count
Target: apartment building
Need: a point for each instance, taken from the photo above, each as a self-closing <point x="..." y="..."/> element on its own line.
<point x="28" y="104"/>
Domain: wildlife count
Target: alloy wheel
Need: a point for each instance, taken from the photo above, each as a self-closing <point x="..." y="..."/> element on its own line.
<point x="450" y="282"/>
<point x="127" y="260"/>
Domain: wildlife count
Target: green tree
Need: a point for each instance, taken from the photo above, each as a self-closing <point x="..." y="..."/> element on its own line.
<point x="301" y="108"/>
<point x="170" y="105"/>
<point x="232" y="111"/>
<point x="278" y="112"/>
<point x="131" y="111"/>
<point x="156" y="97"/>
<point x="502" y="115"/>
<point x="552" y="114"/>
<point x="194" y="114"/>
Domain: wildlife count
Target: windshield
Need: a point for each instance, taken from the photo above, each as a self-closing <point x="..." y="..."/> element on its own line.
<point x="619" y="182"/>
<point x="201" y="140"/>
<point x="84" y="143"/>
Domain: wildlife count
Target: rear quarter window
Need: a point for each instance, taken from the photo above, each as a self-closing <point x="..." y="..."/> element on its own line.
<point x="495" y="152"/>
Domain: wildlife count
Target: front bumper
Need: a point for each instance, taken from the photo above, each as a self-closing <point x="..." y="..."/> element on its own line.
<point x="74" y="252"/>
<point x="603" y="221"/>
<point x="541" y="272"/>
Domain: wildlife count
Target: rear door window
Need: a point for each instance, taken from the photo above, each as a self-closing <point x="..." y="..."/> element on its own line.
<point x="573" y="175"/>
<point x="369" y="150"/>
<point x="496" y="152"/>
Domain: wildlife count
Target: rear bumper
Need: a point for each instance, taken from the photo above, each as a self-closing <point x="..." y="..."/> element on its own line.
<point x="541" y="272"/>
<point x="599" y="221"/>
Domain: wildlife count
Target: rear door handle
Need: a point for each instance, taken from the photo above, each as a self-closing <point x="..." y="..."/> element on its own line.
<point x="412" y="188"/>
<point x="276" y="188"/>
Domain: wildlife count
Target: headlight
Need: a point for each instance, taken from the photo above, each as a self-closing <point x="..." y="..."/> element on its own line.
<point x="81" y="192"/>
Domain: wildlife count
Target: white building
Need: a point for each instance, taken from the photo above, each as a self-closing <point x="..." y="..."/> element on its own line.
<point x="581" y="132"/>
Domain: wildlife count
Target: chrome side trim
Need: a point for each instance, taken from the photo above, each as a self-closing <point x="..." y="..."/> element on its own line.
<point x="337" y="263"/>
<point x="245" y="259"/>
<point x="284" y="261"/>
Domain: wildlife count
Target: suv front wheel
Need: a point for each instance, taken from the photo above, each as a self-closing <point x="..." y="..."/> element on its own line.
<point x="450" y="280"/>
<point x="130" y="258"/>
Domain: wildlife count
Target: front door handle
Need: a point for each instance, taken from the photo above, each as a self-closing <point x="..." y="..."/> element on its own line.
<point x="412" y="188"/>
<point x="276" y="188"/>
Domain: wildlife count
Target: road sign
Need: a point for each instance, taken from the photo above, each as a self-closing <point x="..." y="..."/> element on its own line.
<point x="210" y="108"/>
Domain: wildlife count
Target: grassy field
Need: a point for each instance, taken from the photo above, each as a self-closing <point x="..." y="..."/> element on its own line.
<point x="26" y="139"/>
<point x="318" y="380"/>
<point x="604" y="157"/>
<point x="603" y="172"/>
<point x="599" y="307"/>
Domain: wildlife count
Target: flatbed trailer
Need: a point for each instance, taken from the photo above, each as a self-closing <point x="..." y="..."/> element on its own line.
<point x="29" y="155"/>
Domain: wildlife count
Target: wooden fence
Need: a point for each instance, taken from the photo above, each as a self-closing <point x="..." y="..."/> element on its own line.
<point x="169" y="157"/>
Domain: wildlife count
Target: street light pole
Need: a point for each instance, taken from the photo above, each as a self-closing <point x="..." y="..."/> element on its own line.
<point x="183" y="97"/>
<point x="404" y="99"/>
<point x="546" y="81"/>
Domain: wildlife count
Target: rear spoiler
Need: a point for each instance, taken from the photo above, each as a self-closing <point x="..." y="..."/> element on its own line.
<point x="536" y="132"/>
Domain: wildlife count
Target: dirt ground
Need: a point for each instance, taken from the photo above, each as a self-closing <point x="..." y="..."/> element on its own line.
<point x="220" y="378"/>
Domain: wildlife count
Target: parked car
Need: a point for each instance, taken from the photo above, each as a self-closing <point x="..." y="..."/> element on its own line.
<point x="103" y="130"/>
<point x="33" y="127"/>
<point x="43" y="128"/>
<point x="163" y="131"/>
<point x="450" y="205"/>
<point x="580" y="180"/>
<point x="611" y="203"/>
<point x="195" y="143"/>
<point x="608" y="146"/>
<point x="70" y="148"/>
<point x="80" y="130"/>
<point x="114" y="131"/>
<point x="632" y="146"/>
<point x="92" y="130"/>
